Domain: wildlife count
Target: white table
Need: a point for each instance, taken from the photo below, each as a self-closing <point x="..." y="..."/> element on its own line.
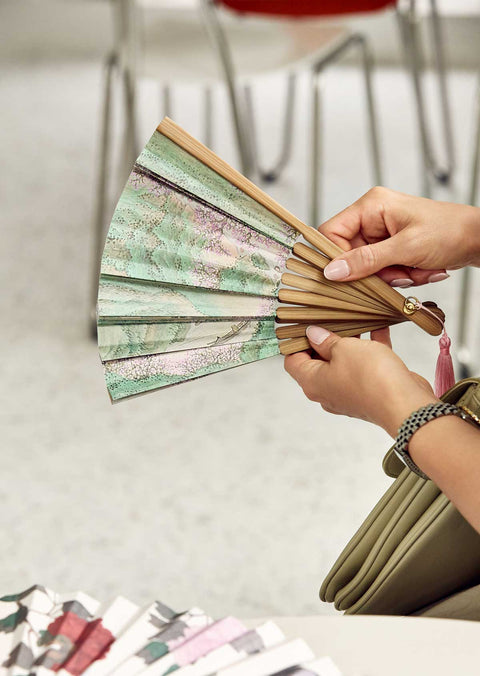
<point x="390" y="646"/>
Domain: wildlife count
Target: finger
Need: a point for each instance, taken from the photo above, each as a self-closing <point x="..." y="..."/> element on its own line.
<point x="322" y="341"/>
<point x="305" y="371"/>
<point x="295" y="364"/>
<point x="404" y="276"/>
<point x="343" y="227"/>
<point x="360" y="223"/>
<point x="365" y="260"/>
<point x="382" y="336"/>
<point x="397" y="276"/>
<point x="427" y="276"/>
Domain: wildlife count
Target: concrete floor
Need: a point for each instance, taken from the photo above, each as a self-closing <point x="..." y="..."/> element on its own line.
<point x="234" y="493"/>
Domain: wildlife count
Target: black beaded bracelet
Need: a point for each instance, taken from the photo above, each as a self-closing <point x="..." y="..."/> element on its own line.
<point x="419" y="418"/>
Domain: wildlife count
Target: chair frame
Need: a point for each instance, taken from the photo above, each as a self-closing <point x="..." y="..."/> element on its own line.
<point x="242" y="110"/>
<point x="408" y="21"/>
<point x="121" y="63"/>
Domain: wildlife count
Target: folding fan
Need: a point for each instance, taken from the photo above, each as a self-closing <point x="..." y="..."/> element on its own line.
<point x="192" y="268"/>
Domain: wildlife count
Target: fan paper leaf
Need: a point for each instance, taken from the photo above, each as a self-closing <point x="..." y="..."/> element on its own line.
<point x="161" y="234"/>
<point x="128" y="377"/>
<point x="123" y="300"/>
<point x="191" y="273"/>
<point x="189" y="277"/>
<point x="165" y="158"/>
<point x="134" y="340"/>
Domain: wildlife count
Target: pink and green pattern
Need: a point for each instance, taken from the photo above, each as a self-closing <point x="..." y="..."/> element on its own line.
<point x="189" y="277"/>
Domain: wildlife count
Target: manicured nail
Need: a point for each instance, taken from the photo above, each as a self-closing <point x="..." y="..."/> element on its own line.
<point x="317" y="335"/>
<point x="403" y="283"/>
<point x="438" y="277"/>
<point x="337" y="270"/>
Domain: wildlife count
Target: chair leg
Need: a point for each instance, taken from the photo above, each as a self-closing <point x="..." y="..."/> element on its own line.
<point x="408" y="32"/>
<point x="372" y="113"/>
<point x="102" y="189"/>
<point x="208" y="116"/>
<point x="442" y="175"/>
<point x="126" y="36"/>
<point x="316" y="149"/>
<point x="221" y="46"/>
<point x="353" y="40"/>
<point x="130" y="139"/>
<point x="166" y="100"/>
<point x="408" y="23"/>
<point x="272" y="174"/>
<point x="464" y="354"/>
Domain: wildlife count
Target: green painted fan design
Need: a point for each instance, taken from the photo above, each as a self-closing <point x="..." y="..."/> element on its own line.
<point x="191" y="274"/>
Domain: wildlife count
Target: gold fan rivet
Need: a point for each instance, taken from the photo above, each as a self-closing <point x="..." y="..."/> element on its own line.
<point x="410" y="305"/>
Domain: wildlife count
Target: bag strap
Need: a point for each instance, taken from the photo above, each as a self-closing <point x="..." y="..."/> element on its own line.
<point x="465" y="392"/>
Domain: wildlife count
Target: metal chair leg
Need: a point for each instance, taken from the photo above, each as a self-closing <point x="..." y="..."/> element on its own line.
<point x="125" y="40"/>
<point x="166" y="100"/>
<point x="444" y="174"/>
<point x="316" y="149"/>
<point x="102" y="189"/>
<point x="208" y="116"/>
<point x="409" y="34"/>
<point x="122" y="60"/>
<point x="372" y="113"/>
<point x="464" y="354"/>
<point x="130" y="135"/>
<point x="272" y="174"/>
<point x="353" y="40"/>
<point x="408" y="23"/>
<point x="220" y="43"/>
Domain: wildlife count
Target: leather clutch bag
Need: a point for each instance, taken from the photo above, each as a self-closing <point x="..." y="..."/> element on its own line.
<point x="413" y="549"/>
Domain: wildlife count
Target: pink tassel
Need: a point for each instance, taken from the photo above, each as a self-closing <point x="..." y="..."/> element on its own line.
<point x="444" y="374"/>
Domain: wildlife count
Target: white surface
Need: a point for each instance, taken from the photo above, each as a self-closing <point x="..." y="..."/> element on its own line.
<point x="390" y="646"/>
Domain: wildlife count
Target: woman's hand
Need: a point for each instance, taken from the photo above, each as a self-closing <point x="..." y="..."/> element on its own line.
<point x="359" y="378"/>
<point x="406" y="240"/>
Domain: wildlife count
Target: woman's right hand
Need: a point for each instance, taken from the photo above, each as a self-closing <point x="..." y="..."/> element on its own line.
<point x="406" y="240"/>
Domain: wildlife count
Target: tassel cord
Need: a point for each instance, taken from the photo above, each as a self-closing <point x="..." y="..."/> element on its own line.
<point x="444" y="372"/>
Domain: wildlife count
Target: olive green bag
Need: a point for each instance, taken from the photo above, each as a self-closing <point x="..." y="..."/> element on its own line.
<point x="413" y="549"/>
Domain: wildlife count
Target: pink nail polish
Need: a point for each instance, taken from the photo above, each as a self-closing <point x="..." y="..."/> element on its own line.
<point x="438" y="277"/>
<point x="402" y="283"/>
<point x="316" y="334"/>
<point x="336" y="270"/>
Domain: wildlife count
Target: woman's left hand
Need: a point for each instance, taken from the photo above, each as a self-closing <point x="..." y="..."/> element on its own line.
<point x="359" y="378"/>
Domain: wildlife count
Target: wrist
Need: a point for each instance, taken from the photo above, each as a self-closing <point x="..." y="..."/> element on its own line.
<point x="403" y="404"/>
<point x="436" y="446"/>
<point x="470" y="228"/>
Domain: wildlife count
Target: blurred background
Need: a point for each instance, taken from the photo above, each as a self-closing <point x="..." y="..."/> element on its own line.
<point x="234" y="492"/>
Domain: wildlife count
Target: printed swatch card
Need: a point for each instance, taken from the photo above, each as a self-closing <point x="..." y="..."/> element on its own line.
<point x="44" y="633"/>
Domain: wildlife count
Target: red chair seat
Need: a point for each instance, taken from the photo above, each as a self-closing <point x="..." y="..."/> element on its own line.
<point x="301" y="8"/>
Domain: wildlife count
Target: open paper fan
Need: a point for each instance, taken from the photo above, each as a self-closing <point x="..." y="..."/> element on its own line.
<point x="191" y="274"/>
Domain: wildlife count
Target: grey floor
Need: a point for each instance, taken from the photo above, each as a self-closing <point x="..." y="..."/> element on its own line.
<point x="234" y="492"/>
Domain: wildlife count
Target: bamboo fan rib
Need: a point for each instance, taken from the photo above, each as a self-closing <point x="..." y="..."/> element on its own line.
<point x="192" y="268"/>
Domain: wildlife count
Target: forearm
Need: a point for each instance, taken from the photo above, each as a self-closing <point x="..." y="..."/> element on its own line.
<point x="448" y="451"/>
<point x="471" y="230"/>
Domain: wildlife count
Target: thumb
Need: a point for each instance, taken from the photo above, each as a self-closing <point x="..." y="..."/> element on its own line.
<point x="322" y="341"/>
<point x="363" y="261"/>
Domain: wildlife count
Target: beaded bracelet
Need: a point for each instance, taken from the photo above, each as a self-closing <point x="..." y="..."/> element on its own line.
<point x="421" y="417"/>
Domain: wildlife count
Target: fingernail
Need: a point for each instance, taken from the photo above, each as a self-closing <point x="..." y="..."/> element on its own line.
<point x="438" y="277"/>
<point x="337" y="270"/>
<point x="403" y="283"/>
<point x="316" y="334"/>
